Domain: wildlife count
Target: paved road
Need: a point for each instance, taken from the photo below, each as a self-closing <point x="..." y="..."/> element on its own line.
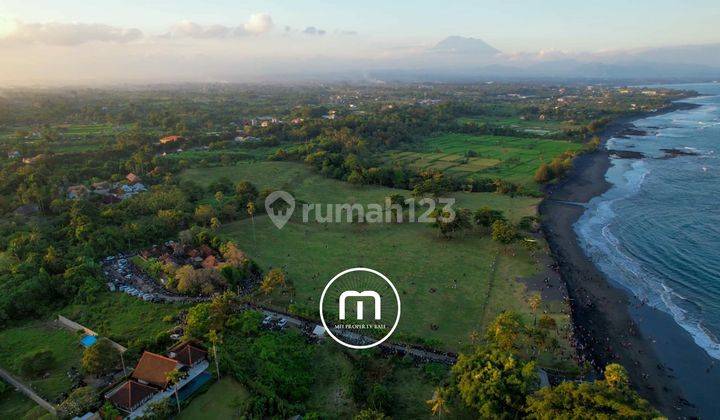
<point x="27" y="391"/>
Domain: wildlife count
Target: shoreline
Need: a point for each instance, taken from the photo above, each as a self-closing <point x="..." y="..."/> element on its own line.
<point x="610" y="324"/>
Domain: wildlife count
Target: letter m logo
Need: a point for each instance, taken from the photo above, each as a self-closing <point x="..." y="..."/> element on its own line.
<point x="354" y="294"/>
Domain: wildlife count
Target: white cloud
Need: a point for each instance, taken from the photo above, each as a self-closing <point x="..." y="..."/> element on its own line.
<point x="190" y="29"/>
<point x="311" y="30"/>
<point x="55" y="33"/>
<point x="258" y="24"/>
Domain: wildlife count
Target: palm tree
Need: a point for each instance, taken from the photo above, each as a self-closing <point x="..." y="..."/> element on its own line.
<point x="474" y="337"/>
<point x="438" y="403"/>
<point x="251" y="212"/>
<point x="173" y="377"/>
<point x="534" y="302"/>
<point x="213" y="336"/>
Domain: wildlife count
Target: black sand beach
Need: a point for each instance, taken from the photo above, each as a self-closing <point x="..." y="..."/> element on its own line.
<point x="664" y="363"/>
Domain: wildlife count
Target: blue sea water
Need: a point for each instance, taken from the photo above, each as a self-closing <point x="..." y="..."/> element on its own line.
<point x="656" y="231"/>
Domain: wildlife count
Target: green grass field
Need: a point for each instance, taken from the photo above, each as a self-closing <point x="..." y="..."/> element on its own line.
<point x="218" y="402"/>
<point x="14" y="405"/>
<point x="540" y="127"/>
<point x="443" y="283"/>
<point x="20" y="341"/>
<point x="512" y="159"/>
<point x="121" y="317"/>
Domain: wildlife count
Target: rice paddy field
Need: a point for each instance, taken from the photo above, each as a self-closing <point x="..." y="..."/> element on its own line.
<point x="545" y="128"/>
<point x="448" y="288"/>
<point x="513" y="159"/>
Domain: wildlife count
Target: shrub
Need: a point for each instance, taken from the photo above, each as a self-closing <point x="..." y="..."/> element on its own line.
<point x="36" y="363"/>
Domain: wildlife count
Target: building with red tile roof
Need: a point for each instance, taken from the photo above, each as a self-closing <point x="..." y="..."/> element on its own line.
<point x="130" y="395"/>
<point x="188" y="354"/>
<point x="153" y="369"/>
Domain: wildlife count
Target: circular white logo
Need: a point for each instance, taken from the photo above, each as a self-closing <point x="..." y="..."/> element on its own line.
<point x="358" y="306"/>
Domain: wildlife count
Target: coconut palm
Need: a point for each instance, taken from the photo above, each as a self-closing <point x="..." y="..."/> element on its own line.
<point x="174" y="377"/>
<point x="438" y="403"/>
<point x="251" y="212"/>
<point x="213" y="336"/>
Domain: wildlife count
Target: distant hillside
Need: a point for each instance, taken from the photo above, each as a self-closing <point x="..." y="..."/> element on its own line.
<point x="462" y="45"/>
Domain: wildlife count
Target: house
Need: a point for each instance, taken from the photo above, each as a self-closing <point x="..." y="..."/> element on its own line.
<point x="15" y="154"/>
<point x="132" y="178"/>
<point x="188" y="354"/>
<point x="148" y="383"/>
<point x="153" y="369"/>
<point x="263" y="121"/>
<point x="170" y="139"/>
<point x="130" y="395"/>
<point x="75" y="192"/>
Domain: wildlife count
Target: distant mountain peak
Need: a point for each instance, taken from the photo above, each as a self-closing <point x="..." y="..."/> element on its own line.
<point x="464" y="45"/>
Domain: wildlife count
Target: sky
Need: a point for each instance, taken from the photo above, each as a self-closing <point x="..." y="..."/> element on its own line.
<point x="76" y="40"/>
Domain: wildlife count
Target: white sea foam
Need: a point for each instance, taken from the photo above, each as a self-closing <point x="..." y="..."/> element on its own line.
<point x="594" y="230"/>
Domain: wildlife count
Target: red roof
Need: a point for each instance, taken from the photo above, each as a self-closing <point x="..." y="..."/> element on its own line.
<point x="189" y="355"/>
<point x="154" y="368"/>
<point x="170" y="139"/>
<point x="132" y="177"/>
<point x="130" y="395"/>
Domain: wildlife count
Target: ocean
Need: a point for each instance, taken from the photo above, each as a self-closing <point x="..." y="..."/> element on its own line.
<point x="656" y="231"/>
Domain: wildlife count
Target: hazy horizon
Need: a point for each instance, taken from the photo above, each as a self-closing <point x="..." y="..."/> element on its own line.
<point x="48" y="42"/>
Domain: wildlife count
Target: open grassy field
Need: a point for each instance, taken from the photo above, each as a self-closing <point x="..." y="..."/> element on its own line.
<point x="444" y="284"/>
<point x="14" y="405"/>
<point x="21" y="341"/>
<point x="218" y="402"/>
<point x="121" y="317"/>
<point x="512" y="159"/>
<point x="536" y="126"/>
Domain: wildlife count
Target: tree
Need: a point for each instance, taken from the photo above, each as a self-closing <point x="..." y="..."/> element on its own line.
<point x="542" y="174"/>
<point x="474" y="337"/>
<point x="447" y="224"/>
<point x="173" y="378"/>
<point x="608" y="398"/>
<point x="547" y="322"/>
<point x="273" y="279"/>
<point x="204" y="213"/>
<point x="100" y="358"/>
<point x="616" y="376"/>
<point x="485" y="216"/>
<point x="246" y="191"/>
<point x="506" y="330"/>
<point x="534" y="302"/>
<point x="213" y="337"/>
<point x="159" y="410"/>
<point x="370" y="414"/>
<point x="37" y="363"/>
<point x="503" y="231"/>
<point x="79" y="402"/>
<point x="109" y="412"/>
<point x="233" y="255"/>
<point x="494" y="383"/>
<point x="251" y="212"/>
<point x="438" y="402"/>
